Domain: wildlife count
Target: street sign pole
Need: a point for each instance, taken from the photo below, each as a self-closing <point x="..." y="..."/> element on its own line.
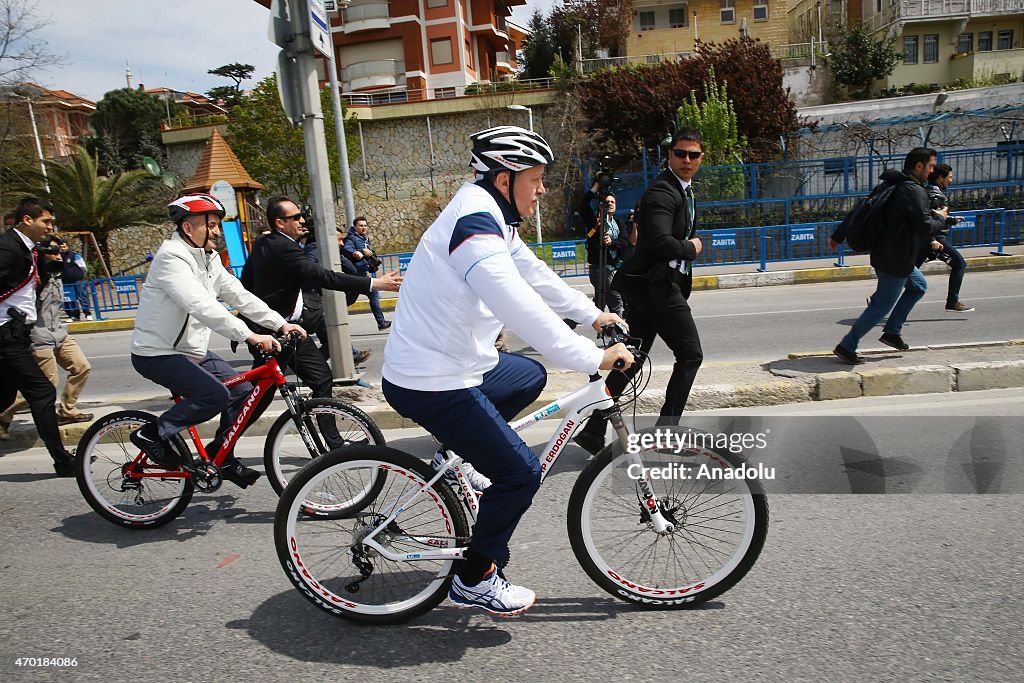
<point x="306" y="32"/>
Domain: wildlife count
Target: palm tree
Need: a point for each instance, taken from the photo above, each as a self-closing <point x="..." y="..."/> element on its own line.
<point x="85" y="200"/>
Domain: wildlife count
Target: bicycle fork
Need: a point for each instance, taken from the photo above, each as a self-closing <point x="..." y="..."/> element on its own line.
<point x="661" y="524"/>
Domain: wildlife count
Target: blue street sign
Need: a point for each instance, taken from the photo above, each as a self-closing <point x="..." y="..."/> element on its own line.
<point x="563" y="252"/>
<point x="723" y="239"/>
<point x="802" y="234"/>
<point x="403" y="262"/>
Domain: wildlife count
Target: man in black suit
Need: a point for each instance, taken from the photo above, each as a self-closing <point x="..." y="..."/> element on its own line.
<point x="656" y="279"/>
<point x="278" y="270"/>
<point x="19" y="371"/>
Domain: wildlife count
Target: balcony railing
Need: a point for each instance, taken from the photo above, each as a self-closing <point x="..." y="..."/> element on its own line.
<point x="367" y="16"/>
<point x="799" y="50"/>
<point x="908" y="10"/>
<point x="592" y="65"/>
<point x="402" y="95"/>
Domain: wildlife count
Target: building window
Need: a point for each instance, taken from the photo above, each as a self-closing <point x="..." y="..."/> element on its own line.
<point x="931" y="48"/>
<point x="760" y="10"/>
<point x="878" y="6"/>
<point x="437" y="3"/>
<point x="678" y="17"/>
<point x="910" y="49"/>
<point x="441" y="51"/>
<point x="1005" y="40"/>
<point x="984" y="41"/>
<point x="728" y="12"/>
<point x="647" y="22"/>
<point x="965" y="43"/>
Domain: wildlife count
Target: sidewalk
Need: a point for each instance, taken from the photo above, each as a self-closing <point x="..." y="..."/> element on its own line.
<point x="794" y="379"/>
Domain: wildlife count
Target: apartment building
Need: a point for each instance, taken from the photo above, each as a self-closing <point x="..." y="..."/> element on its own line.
<point x="668" y="28"/>
<point x="61" y="117"/>
<point x="424" y="49"/>
<point x="942" y="41"/>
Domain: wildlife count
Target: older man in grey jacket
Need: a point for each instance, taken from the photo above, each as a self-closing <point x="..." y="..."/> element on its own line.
<point x="53" y="346"/>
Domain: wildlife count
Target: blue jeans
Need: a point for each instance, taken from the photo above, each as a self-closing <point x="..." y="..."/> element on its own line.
<point x="474" y="423"/>
<point x="895" y="293"/>
<point x="378" y="314"/>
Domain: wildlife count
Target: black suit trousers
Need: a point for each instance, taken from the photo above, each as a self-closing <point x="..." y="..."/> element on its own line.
<point x="661" y="310"/>
<point x="20" y="372"/>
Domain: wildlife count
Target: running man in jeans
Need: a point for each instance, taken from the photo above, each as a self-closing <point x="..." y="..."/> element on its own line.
<point x="907" y="223"/>
<point x="470" y="274"/>
<point x="178" y="306"/>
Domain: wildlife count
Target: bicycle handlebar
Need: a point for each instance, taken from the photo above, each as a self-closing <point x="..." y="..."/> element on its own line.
<point x="612" y="335"/>
<point x="287" y="341"/>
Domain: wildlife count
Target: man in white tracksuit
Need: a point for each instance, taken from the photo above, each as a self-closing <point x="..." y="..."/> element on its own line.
<point x="470" y="274"/>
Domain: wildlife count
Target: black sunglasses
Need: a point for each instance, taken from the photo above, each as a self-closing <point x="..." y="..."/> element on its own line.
<point x="293" y="217"/>
<point x="683" y="153"/>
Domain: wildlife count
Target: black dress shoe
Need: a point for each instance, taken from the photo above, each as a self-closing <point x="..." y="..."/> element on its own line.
<point x="238" y="474"/>
<point x="847" y="356"/>
<point x="64" y="469"/>
<point x="895" y="341"/>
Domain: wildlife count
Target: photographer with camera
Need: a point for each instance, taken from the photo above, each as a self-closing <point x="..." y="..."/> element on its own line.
<point x="20" y="265"/>
<point x="939" y="181"/>
<point x="52" y="346"/>
<point x="606" y="242"/>
<point x="357" y="249"/>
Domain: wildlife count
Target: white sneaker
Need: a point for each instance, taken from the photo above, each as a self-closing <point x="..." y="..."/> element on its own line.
<point x="477" y="481"/>
<point x="494" y="594"/>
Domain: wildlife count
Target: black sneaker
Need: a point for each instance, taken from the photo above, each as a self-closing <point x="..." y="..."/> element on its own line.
<point x="238" y="474"/>
<point x="847" y="356"/>
<point x="159" y="451"/>
<point x="590" y="442"/>
<point x="895" y="341"/>
<point x="959" y="307"/>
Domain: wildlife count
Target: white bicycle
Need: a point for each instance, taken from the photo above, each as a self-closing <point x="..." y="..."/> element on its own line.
<point x="392" y="528"/>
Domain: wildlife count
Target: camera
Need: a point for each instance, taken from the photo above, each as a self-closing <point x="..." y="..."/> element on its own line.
<point x="372" y="263"/>
<point x="604" y="177"/>
<point x="48" y="248"/>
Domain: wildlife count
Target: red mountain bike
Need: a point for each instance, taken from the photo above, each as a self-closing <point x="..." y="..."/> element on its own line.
<point x="124" y="487"/>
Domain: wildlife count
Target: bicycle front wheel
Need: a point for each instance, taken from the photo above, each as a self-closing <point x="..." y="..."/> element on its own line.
<point x="720" y="524"/>
<point x="326" y="558"/>
<point x="104" y="461"/>
<point x="327" y="423"/>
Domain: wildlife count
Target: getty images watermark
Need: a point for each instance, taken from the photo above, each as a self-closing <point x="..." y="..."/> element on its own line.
<point x="674" y="441"/>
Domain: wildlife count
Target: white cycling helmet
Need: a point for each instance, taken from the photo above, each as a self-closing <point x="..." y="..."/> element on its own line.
<point x="508" y="148"/>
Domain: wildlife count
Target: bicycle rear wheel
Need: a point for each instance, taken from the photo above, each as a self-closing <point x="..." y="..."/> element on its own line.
<point x="286" y="451"/>
<point x="103" y="461"/>
<point x="720" y="525"/>
<point x="326" y="559"/>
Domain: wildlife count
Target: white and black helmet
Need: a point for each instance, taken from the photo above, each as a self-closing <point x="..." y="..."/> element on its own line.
<point x="508" y="148"/>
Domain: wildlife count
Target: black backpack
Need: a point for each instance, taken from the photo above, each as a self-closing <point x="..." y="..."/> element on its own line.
<point x="861" y="226"/>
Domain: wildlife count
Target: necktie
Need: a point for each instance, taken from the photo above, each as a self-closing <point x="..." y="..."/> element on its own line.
<point x="690" y="208"/>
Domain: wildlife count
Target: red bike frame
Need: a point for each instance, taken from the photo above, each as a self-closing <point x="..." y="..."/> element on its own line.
<point x="263" y="378"/>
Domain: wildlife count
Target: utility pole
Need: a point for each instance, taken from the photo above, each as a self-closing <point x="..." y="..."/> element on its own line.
<point x="300" y="27"/>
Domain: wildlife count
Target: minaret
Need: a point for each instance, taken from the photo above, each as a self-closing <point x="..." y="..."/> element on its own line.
<point x="128" y="76"/>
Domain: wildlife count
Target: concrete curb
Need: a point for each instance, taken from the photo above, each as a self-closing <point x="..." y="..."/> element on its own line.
<point x="701" y="282"/>
<point x="825" y="386"/>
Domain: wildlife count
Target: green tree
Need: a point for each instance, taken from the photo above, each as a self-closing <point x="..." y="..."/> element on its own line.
<point x="716" y="120"/>
<point x="858" y="60"/>
<point x="231" y="94"/>
<point x="271" y="149"/>
<point x="127" y="125"/>
<point x="538" y="48"/>
<point x="85" y="199"/>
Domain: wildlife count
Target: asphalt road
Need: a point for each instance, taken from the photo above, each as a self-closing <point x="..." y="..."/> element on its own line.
<point x="754" y="323"/>
<point x="913" y="586"/>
